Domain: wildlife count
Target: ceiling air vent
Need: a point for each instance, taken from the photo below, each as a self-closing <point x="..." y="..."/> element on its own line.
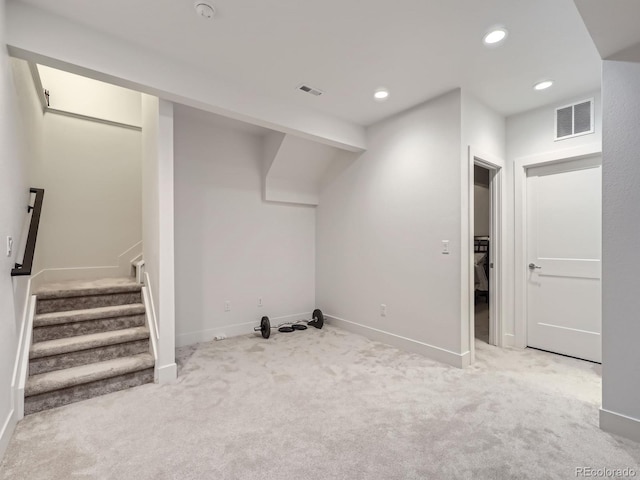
<point x="310" y="90"/>
<point x="574" y="120"/>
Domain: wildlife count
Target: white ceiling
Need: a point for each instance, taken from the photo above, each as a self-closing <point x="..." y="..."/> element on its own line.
<point x="348" y="48"/>
<point x="612" y="24"/>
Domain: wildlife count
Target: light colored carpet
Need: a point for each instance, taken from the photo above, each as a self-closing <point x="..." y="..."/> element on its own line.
<point x="328" y="404"/>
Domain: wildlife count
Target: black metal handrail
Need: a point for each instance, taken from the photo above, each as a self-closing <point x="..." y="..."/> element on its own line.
<point x="24" y="268"/>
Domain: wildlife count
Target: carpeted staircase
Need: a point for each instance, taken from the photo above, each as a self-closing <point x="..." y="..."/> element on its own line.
<point x="89" y="338"/>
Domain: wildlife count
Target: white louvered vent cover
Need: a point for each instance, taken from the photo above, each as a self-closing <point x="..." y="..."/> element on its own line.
<point x="574" y="120"/>
<point x="311" y="90"/>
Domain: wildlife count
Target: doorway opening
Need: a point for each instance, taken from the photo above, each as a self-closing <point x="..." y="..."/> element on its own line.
<point x="485" y="264"/>
<point x="482" y="259"/>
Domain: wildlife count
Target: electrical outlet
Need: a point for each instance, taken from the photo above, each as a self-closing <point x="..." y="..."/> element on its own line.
<point x="227" y="306"/>
<point x="259" y="301"/>
<point x="383" y="310"/>
<point x="9" y="246"/>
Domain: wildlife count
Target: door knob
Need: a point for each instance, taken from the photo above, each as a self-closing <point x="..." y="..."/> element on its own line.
<point x="533" y="266"/>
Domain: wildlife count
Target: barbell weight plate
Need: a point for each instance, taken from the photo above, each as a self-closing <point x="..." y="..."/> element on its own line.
<point x="265" y="327"/>
<point x="298" y="326"/>
<point x="318" y="318"/>
<point x="285" y="329"/>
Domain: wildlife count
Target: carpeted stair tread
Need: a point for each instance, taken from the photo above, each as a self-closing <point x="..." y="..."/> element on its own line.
<point x="85" y="288"/>
<point x="85" y="342"/>
<point x="85" y="391"/>
<point x="72" y="316"/>
<point x="69" y="377"/>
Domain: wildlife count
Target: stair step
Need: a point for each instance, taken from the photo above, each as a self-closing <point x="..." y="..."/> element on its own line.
<point x="54" y="332"/>
<point x="58" y="398"/>
<point x="85" y="374"/>
<point x="63" y="304"/>
<point x="72" y="316"/>
<point x="80" y="288"/>
<point x="52" y="326"/>
<point x="85" y="357"/>
<point x="81" y="295"/>
<point x="86" y="342"/>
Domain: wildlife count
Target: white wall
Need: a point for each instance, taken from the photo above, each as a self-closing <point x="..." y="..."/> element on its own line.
<point x="31" y="117"/>
<point x="150" y="192"/>
<point x="296" y="171"/>
<point x="13" y="200"/>
<point x="91" y="173"/>
<point x="158" y="230"/>
<point x="621" y="255"/>
<point x="482" y="127"/>
<point x="532" y="133"/>
<point x="85" y="96"/>
<point x="231" y="245"/>
<point x="379" y="231"/>
<point x="29" y="120"/>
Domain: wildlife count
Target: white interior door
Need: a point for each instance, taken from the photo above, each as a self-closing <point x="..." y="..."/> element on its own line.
<point x="564" y="204"/>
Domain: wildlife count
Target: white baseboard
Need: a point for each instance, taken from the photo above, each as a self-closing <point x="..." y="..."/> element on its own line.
<point x="153" y="329"/>
<point x="6" y="432"/>
<point x="18" y="403"/>
<point x="21" y="368"/>
<point x="459" y="360"/>
<point x="21" y="363"/>
<point x="619" y="424"/>
<point x="201" y="336"/>
<point x="508" y="340"/>
<point x="464" y="359"/>
<point x="166" y="373"/>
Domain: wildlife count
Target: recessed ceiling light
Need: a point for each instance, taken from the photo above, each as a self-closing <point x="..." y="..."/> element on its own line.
<point x="381" y="94"/>
<point x="495" y="36"/>
<point x="543" y="85"/>
<point x="205" y="10"/>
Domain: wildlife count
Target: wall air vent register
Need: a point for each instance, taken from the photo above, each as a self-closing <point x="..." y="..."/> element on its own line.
<point x="307" y="89"/>
<point x="573" y="120"/>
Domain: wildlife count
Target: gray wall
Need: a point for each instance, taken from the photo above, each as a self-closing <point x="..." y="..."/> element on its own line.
<point x="621" y="240"/>
<point x="13" y="200"/>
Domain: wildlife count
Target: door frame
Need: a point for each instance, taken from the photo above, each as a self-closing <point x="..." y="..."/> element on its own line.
<point x="522" y="164"/>
<point x="496" y="166"/>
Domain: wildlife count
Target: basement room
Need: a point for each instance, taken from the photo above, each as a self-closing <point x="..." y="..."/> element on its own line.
<point x="268" y="239"/>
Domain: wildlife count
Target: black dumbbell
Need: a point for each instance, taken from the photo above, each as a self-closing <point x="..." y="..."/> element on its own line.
<point x="317" y="319"/>
<point x="265" y="327"/>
